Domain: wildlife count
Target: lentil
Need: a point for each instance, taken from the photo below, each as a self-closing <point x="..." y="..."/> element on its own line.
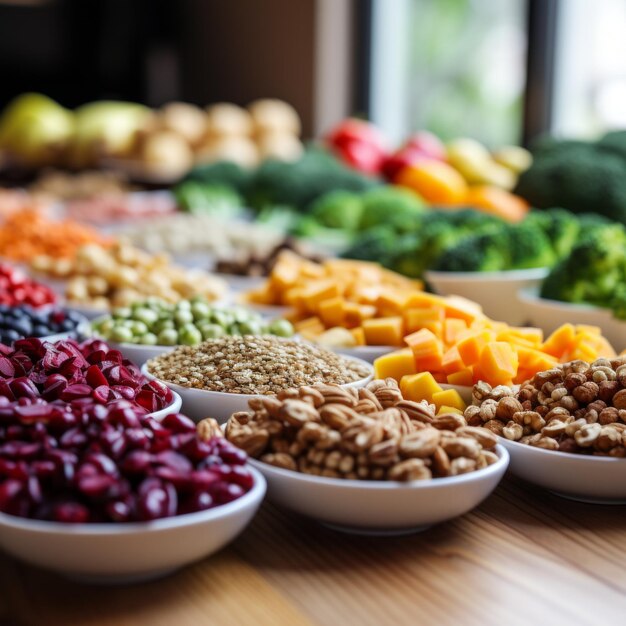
<point x="254" y="365"/>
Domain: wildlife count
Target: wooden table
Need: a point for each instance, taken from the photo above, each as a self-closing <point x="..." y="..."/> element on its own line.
<point x="523" y="557"/>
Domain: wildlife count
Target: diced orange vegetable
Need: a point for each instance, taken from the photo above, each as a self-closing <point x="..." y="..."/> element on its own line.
<point x="318" y="291"/>
<point x="359" y="335"/>
<point x="331" y="312"/>
<point x="419" y="387"/>
<point x="451" y="329"/>
<point x="427" y="349"/>
<point x="471" y="346"/>
<point x="498" y="362"/>
<point x="449" y="397"/>
<point x="462" y="308"/>
<point x="395" y="365"/>
<point x="534" y="335"/>
<point x="462" y="378"/>
<point x="391" y="303"/>
<point x="310" y="324"/>
<point x="594" y="330"/>
<point x="423" y="300"/>
<point x="414" y="319"/>
<point x="560" y="341"/>
<point x="386" y="331"/>
<point x="354" y="314"/>
<point x="452" y="361"/>
<point x="443" y="410"/>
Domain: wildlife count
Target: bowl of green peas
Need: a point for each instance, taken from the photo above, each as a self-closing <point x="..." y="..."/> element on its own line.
<point x="151" y="327"/>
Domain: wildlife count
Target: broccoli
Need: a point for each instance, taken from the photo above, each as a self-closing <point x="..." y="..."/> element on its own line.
<point x="281" y="218"/>
<point x="618" y="302"/>
<point x="331" y="239"/>
<point x="594" y="272"/>
<point x="222" y="173"/>
<point x="300" y="183"/>
<point x="560" y="226"/>
<point x="390" y="205"/>
<point x="581" y="177"/>
<point x="338" y="209"/>
<point x="615" y="141"/>
<point x="218" y="200"/>
<point x="528" y="246"/>
<point x="375" y="244"/>
<point x="479" y="253"/>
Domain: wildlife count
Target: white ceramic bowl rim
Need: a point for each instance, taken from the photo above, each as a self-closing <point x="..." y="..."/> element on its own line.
<point x="568" y="455"/>
<point x="122" y="528"/>
<point x="520" y="274"/>
<point x="378" y="485"/>
<point x="174" y="386"/>
<point x="532" y="295"/>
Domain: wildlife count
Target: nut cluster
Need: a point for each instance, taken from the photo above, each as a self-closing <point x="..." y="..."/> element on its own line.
<point x="575" y="407"/>
<point x="254" y="365"/>
<point x="370" y="433"/>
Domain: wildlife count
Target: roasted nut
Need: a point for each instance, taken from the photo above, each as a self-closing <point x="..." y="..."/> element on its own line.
<point x="495" y="426"/>
<point x="449" y="421"/>
<point x="419" y="411"/>
<point x="485" y="437"/>
<point x="209" y="428"/>
<point x="284" y="461"/>
<point x="554" y="428"/>
<point x="586" y="393"/>
<point x="421" y="443"/>
<point x="411" y="469"/>
<point x="488" y="410"/>
<point x="462" y="465"/>
<point x="619" y="399"/>
<point x="607" y="390"/>
<point x="547" y="443"/>
<point x="513" y="431"/>
<point x="384" y="453"/>
<point x="461" y="447"/>
<point x="587" y="435"/>
<point x="297" y="412"/>
<point x="506" y="408"/>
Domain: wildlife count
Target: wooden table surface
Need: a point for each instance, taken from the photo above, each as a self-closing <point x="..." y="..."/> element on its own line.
<point x="523" y="557"/>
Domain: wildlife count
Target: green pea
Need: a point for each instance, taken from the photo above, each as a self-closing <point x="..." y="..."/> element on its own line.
<point x="234" y="329"/>
<point x="189" y="335"/>
<point x="121" y="312"/>
<point x="139" y="328"/>
<point x="222" y="318"/>
<point x="165" y="324"/>
<point x="147" y="316"/>
<point x="281" y="328"/>
<point x="251" y="328"/>
<point x="212" y="331"/>
<point x="168" y="337"/>
<point x="149" y="339"/>
<point x="122" y="334"/>
<point x="200" y="311"/>
<point x="183" y="305"/>
<point x="182" y="317"/>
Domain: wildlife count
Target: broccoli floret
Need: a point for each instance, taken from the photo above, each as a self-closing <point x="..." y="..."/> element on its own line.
<point x="618" y="302"/>
<point x="480" y="253"/>
<point x="374" y="244"/>
<point x="338" y="209"/>
<point x="560" y="226"/>
<point x="389" y="204"/>
<point x="222" y="173"/>
<point x="528" y="246"/>
<point x="594" y="271"/>
<point x="300" y="183"/>
<point x="331" y="239"/>
<point x="281" y="218"/>
<point x="218" y="200"/>
<point x="615" y="141"/>
<point x="583" y="178"/>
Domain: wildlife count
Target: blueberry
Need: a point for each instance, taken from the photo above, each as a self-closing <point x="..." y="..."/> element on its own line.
<point x="10" y="336"/>
<point x="67" y="325"/>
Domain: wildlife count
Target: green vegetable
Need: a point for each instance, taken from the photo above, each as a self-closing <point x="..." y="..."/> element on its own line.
<point x="389" y="204"/>
<point x="213" y="199"/>
<point x="221" y="173"/>
<point x="168" y="337"/>
<point x="561" y="227"/>
<point x="594" y="272"/>
<point x="338" y="209"/>
<point x="300" y="183"/>
<point x="281" y="328"/>
<point x="481" y="253"/>
<point x="528" y="246"/>
<point x="579" y="176"/>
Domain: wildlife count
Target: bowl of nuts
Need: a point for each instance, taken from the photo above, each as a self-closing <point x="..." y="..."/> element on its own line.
<point x="218" y="377"/>
<point x="565" y="429"/>
<point x="365" y="460"/>
<point x="95" y="510"/>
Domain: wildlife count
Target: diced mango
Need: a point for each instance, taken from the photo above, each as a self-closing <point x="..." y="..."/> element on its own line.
<point x="470" y="347"/>
<point x="359" y="335"/>
<point x="331" y="312"/>
<point x="560" y="341"/>
<point x="448" y="409"/>
<point x="355" y="314"/>
<point x="415" y="319"/>
<point x="395" y="365"/>
<point x="440" y="377"/>
<point x="594" y="330"/>
<point x="391" y="303"/>
<point x="498" y="362"/>
<point x="462" y="378"/>
<point x="427" y="349"/>
<point x="309" y="324"/>
<point x="534" y="335"/>
<point x="461" y="308"/>
<point x="423" y="300"/>
<point x="318" y="291"/>
<point x="386" y="331"/>
<point x="452" y="361"/>
<point x="449" y="397"/>
<point x="419" y="387"/>
<point x="451" y="329"/>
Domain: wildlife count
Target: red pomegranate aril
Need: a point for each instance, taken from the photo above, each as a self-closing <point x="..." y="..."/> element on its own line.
<point x="33" y="488"/>
<point x="199" y="501"/>
<point x="9" y="491"/>
<point x="179" y="423"/>
<point x="7" y="370"/>
<point x="103" y="463"/>
<point x="73" y="438"/>
<point x="96" y="486"/>
<point x="180" y="440"/>
<point x="43" y="469"/>
<point x="137" y="438"/>
<point x="204" y="479"/>
<point x="95" y="377"/>
<point x="74" y="392"/>
<point x="23" y="388"/>
<point x="174" y="460"/>
<point x="242" y="477"/>
<point x="226" y="492"/>
<point x="119" y="511"/>
<point x="138" y="461"/>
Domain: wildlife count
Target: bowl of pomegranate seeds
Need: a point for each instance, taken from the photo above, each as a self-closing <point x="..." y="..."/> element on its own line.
<point x="17" y="289"/>
<point x="109" y="494"/>
<point x="81" y="374"/>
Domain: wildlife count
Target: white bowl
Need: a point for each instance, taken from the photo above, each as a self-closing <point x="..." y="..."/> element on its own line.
<point x="138" y="353"/>
<point x="130" y="552"/>
<point x="381" y="507"/>
<point x="594" y="479"/>
<point x="200" y="403"/>
<point x="366" y="353"/>
<point x="496" y="292"/>
<point x="550" y="314"/>
<point x="173" y="407"/>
